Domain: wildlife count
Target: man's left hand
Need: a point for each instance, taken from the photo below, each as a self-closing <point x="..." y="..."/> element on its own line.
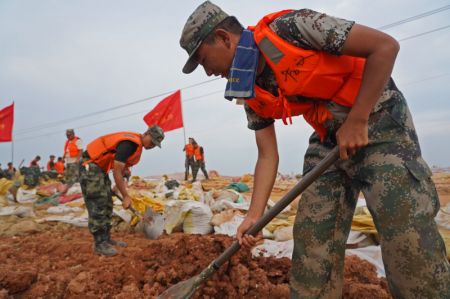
<point x="351" y="136"/>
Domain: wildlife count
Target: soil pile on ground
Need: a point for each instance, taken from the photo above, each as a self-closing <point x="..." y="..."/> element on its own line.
<point x="60" y="264"/>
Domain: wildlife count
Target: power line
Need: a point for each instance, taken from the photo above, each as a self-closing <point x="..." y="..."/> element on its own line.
<point x="52" y="124"/>
<point x="425" y="79"/>
<point x="424" y="33"/>
<point x="114" y="118"/>
<point x="55" y="123"/>
<point x="414" y="18"/>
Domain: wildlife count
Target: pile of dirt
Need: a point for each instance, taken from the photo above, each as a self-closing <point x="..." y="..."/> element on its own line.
<point x="60" y="264"/>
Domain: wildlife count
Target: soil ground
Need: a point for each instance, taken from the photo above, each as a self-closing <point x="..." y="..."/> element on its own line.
<point x="59" y="263"/>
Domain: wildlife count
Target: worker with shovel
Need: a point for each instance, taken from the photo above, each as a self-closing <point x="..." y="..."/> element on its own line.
<point x="335" y="73"/>
<point x="115" y="151"/>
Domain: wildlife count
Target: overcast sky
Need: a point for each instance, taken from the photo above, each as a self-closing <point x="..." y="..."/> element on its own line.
<point x="63" y="59"/>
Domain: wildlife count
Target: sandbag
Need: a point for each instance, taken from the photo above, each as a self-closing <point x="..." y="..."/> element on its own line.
<point x="26" y="196"/>
<point x="192" y="215"/>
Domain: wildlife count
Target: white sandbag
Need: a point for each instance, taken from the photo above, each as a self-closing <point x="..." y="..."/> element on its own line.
<point x="230" y="227"/>
<point x="356" y="237"/>
<point x="224" y="204"/>
<point x="275" y="249"/>
<point x="125" y="215"/>
<point x="81" y="221"/>
<point x="283" y="234"/>
<point x="372" y="254"/>
<point x="26" y="196"/>
<point x="74" y="189"/>
<point x="193" y="215"/>
<point x="19" y="211"/>
<point x="443" y="217"/>
<point x="61" y="209"/>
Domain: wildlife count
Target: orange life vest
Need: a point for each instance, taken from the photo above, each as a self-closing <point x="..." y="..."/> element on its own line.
<point x="59" y="167"/>
<point x="309" y="73"/>
<point x="189" y="148"/>
<point x="50" y="166"/>
<point x="71" y="146"/>
<point x="198" y="154"/>
<point x="103" y="149"/>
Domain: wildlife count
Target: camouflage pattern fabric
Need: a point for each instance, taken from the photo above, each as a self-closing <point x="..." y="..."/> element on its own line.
<point x="31" y="175"/>
<point x="189" y="162"/>
<point x="96" y="188"/>
<point x="71" y="173"/>
<point x="199" y="24"/>
<point x="401" y="197"/>
<point x="199" y="165"/>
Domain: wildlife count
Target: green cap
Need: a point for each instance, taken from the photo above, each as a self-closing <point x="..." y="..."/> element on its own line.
<point x="157" y="134"/>
<point x="199" y="24"/>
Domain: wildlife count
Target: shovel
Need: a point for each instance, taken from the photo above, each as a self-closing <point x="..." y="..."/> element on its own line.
<point x="187" y="288"/>
<point x="153" y="222"/>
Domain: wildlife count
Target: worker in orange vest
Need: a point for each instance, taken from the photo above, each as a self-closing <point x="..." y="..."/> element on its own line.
<point x="337" y="75"/>
<point x="116" y="152"/>
<point x="35" y="162"/>
<point x="51" y="163"/>
<point x="189" y="161"/>
<point x="73" y="148"/>
<point x="59" y="166"/>
<point x="199" y="155"/>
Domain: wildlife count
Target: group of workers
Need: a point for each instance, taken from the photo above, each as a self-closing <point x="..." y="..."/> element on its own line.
<point x="67" y="165"/>
<point x="195" y="160"/>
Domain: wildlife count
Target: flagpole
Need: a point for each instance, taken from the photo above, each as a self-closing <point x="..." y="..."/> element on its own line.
<point x="12" y="139"/>
<point x="12" y="151"/>
<point x="182" y="116"/>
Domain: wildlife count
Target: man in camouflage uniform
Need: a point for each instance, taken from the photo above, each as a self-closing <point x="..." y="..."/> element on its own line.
<point x="73" y="150"/>
<point x="379" y="149"/>
<point x="199" y="155"/>
<point x="189" y="162"/>
<point x="96" y="185"/>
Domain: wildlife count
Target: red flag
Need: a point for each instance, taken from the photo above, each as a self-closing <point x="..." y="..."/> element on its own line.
<point x="167" y="114"/>
<point x="6" y="123"/>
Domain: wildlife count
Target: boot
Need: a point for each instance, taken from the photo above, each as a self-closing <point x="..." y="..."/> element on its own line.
<point x="102" y="247"/>
<point x="114" y="242"/>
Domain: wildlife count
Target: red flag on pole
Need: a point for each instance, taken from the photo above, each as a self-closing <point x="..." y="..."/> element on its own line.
<point x="167" y="114"/>
<point x="6" y="123"/>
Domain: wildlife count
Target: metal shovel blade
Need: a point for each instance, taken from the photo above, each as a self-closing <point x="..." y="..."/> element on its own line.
<point x="181" y="290"/>
<point x="153" y="224"/>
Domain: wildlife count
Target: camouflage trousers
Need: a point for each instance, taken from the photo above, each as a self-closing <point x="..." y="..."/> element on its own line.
<point x="71" y="173"/>
<point x="199" y="165"/>
<point x="96" y="188"/>
<point x="396" y="183"/>
<point x="189" y="162"/>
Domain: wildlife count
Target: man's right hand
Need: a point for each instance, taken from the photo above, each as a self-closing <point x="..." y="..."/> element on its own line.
<point x="247" y="241"/>
<point x="126" y="202"/>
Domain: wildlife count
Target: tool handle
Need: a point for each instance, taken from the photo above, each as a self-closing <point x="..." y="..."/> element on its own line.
<point x="130" y="207"/>
<point x="301" y="186"/>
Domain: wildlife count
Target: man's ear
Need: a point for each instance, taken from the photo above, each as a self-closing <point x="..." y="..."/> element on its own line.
<point x="223" y="36"/>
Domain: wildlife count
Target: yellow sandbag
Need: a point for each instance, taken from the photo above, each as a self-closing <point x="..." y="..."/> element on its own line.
<point x="363" y="224"/>
<point x="5" y="185"/>
<point x="188" y="194"/>
<point x="278" y="223"/>
<point x="445" y="233"/>
<point x="140" y="202"/>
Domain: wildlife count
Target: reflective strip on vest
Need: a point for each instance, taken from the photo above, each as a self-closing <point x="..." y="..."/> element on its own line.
<point x="266" y="46"/>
